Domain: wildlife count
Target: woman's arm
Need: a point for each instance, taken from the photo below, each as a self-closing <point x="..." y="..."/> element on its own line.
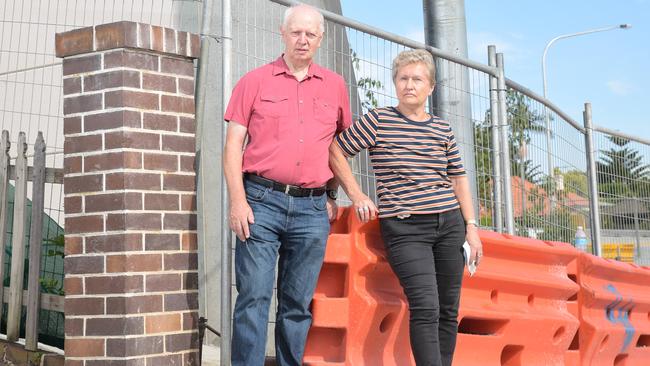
<point x="363" y="206"/>
<point x="464" y="197"/>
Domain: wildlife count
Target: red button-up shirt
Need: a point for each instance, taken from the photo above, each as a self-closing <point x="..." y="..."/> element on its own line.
<point x="290" y="123"/>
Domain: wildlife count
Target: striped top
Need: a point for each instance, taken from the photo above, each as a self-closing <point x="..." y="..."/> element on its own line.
<point x="412" y="160"/>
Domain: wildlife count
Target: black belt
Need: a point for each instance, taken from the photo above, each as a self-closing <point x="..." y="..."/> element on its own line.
<point x="294" y="191"/>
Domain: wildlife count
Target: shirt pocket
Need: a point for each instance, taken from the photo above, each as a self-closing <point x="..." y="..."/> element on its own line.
<point x="269" y="113"/>
<point x="273" y="105"/>
<point x="325" y="112"/>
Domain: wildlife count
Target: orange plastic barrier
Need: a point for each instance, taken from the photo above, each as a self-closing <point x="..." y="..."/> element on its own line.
<point x="513" y="311"/>
<point x="572" y="354"/>
<point x="359" y="312"/>
<point x="614" y="308"/>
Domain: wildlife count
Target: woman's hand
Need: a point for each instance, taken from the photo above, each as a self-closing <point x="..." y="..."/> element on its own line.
<point x="475" y="244"/>
<point x="364" y="207"/>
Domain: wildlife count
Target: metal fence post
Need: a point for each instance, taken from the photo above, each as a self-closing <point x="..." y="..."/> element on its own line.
<point x="637" y="228"/>
<point x="497" y="216"/>
<point x="445" y="28"/>
<point x="505" y="151"/>
<point x="208" y="154"/>
<point x="593" y="182"/>
<point x="226" y="234"/>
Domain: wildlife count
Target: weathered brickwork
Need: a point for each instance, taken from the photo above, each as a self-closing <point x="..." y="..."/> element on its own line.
<point x="130" y="195"/>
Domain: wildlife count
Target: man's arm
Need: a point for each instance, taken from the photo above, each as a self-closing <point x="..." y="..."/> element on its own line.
<point x="363" y="205"/>
<point x="241" y="214"/>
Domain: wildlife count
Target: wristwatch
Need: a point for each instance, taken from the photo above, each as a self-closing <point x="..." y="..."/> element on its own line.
<point x="471" y="222"/>
<point x="332" y="194"/>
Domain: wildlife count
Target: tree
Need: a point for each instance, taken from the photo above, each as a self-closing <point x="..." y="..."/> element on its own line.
<point x="522" y="122"/>
<point x="483" y="160"/>
<point x="620" y="171"/>
<point x="574" y="181"/>
<point x="368" y="85"/>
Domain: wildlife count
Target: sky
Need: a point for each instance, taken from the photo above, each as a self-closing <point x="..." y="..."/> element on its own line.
<point x="608" y="69"/>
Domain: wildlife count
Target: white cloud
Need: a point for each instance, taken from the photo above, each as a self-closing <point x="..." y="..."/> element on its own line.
<point x="619" y="87"/>
<point x="477" y="43"/>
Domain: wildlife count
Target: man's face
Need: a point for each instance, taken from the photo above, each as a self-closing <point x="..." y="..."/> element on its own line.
<point x="301" y="36"/>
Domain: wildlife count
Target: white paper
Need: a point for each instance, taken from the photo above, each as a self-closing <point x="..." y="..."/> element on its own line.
<point x="467" y="251"/>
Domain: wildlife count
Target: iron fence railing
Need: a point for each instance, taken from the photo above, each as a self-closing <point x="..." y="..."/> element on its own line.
<point x="31" y="98"/>
<point x="529" y="160"/>
<point x="623" y="178"/>
<point x="531" y="163"/>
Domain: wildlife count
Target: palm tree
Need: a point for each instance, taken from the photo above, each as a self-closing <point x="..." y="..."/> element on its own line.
<point x="522" y="121"/>
<point x="621" y="172"/>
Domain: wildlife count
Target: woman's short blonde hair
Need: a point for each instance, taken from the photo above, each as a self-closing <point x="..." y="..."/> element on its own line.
<point x="414" y="56"/>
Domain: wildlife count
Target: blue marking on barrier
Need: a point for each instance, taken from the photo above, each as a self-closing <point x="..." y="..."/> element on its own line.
<point x="622" y="317"/>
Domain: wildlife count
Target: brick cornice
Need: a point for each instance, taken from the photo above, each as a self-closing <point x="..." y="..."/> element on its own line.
<point x="127" y="34"/>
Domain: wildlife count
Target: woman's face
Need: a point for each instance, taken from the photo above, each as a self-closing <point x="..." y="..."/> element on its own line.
<point x="412" y="84"/>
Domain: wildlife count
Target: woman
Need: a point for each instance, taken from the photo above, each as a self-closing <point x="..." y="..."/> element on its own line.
<point x="425" y="205"/>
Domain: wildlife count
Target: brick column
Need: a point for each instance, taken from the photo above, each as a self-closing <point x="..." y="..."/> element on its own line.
<point x="131" y="278"/>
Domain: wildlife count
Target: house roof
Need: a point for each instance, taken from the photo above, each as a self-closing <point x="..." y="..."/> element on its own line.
<point x="626" y="207"/>
<point x="537" y="198"/>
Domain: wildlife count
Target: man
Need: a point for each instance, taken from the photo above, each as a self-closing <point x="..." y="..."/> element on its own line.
<point x="281" y="189"/>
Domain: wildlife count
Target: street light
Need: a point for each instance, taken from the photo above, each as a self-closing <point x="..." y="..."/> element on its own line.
<point x="546" y="117"/>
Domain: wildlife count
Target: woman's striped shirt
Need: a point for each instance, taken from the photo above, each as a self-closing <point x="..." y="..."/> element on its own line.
<point x="412" y="160"/>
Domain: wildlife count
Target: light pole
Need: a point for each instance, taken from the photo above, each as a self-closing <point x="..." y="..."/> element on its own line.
<point x="549" y="151"/>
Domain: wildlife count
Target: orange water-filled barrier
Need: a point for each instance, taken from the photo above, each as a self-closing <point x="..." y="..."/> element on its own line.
<point x="614" y="312"/>
<point x="514" y="310"/>
<point x="359" y="311"/>
<point x="530" y="303"/>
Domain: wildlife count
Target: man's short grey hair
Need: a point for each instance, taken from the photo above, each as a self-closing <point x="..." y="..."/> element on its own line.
<point x="289" y="12"/>
<point x="414" y="56"/>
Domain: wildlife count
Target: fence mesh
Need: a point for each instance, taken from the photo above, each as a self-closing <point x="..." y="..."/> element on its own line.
<point x="31" y="98"/>
<point x="623" y="176"/>
<point x="549" y="178"/>
<point x="549" y="174"/>
<point x="365" y="62"/>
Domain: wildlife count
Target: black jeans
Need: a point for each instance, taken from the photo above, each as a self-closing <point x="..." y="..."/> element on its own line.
<point x="426" y="254"/>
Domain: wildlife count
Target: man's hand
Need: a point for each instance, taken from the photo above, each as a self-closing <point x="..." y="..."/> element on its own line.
<point x="332" y="209"/>
<point x="241" y="215"/>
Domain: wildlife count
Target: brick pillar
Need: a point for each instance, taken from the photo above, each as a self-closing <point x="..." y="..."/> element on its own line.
<point x="131" y="281"/>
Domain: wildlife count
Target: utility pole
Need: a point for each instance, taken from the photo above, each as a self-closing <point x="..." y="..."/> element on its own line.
<point x="445" y="28"/>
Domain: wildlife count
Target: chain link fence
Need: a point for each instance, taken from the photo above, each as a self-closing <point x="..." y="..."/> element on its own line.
<point x="623" y="176"/>
<point x="548" y="169"/>
<point x="31" y="100"/>
<point x="550" y="196"/>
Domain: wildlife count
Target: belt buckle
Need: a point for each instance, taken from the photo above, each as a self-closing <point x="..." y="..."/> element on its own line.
<point x="286" y="189"/>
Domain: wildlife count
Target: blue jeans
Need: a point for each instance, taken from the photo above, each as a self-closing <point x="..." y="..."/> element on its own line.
<point x="296" y="230"/>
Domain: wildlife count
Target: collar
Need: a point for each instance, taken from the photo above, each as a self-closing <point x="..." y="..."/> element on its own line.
<point x="280" y="67"/>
